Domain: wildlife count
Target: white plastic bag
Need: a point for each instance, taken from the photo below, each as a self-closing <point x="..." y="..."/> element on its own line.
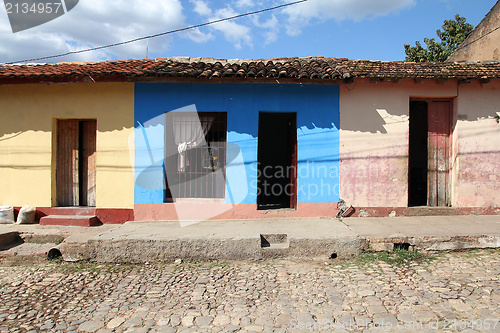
<point x="6" y="215"/>
<point x="26" y="215"/>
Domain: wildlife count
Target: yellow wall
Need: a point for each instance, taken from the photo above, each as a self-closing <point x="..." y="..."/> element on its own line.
<point x="27" y="173"/>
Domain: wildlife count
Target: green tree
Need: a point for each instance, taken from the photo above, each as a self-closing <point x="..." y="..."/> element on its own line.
<point x="453" y="34"/>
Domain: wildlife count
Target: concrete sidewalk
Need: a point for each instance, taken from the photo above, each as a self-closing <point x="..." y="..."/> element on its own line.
<point x="256" y="239"/>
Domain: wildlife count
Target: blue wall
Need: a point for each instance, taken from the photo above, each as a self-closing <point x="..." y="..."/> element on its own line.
<point x="317" y="108"/>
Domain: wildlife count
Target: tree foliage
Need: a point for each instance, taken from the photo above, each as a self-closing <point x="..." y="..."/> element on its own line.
<point x="453" y="34"/>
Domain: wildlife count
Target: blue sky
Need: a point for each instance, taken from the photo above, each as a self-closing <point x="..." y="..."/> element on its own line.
<point x="355" y="29"/>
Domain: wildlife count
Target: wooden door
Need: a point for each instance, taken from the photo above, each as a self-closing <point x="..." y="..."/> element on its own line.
<point x="88" y="129"/>
<point x="439" y="120"/>
<point x="277" y="161"/>
<point x="75" y="162"/>
<point x="67" y="173"/>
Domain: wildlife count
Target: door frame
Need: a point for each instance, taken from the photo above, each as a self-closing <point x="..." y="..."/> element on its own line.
<point x="433" y="202"/>
<point x="291" y="148"/>
<point x="74" y="161"/>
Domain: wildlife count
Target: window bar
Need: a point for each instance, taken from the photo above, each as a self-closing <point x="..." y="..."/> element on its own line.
<point x="187" y="187"/>
<point x="210" y="169"/>
<point x="219" y="157"/>
<point x="207" y="162"/>
<point x="185" y="174"/>
<point x="219" y="151"/>
<point x="196" y="165"/>
<point x="213" y="189"/>
<point x="219" y="133"/>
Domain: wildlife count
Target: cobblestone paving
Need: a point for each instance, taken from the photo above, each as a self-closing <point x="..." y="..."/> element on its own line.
<point x="457" y="290"/>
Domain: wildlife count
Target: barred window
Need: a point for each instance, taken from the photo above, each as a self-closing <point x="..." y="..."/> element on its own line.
<point x="196" y="155"/>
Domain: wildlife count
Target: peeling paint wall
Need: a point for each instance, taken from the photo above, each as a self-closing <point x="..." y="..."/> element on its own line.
<point x="374" y="122"/>
<point x="372" y="143"/>
<point x="478" y="145"/>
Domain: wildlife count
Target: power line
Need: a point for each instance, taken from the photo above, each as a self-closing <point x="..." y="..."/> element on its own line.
<point x="161" y="34"/>
<point x="477" y="39"/>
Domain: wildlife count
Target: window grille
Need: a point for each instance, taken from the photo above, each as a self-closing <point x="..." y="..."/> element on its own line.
<point x="197" y="145"/>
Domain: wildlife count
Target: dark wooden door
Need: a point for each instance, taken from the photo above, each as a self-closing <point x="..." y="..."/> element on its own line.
<point x="277" y="161"/>
<point x="439" y="127"/>
<point x="75" y="162"/>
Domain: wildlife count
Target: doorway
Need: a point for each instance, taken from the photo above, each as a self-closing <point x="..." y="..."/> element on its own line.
<point x="277" y="161"/>
<point x="429" y="154"/>
<point x="75" y="162"/>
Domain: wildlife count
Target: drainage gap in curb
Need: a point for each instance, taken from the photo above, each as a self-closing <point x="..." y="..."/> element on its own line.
<point x="402" y="246"/>
<point x="274" y="241"/>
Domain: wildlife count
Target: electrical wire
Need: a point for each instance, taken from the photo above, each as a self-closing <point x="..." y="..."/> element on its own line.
<point x="477" y="39"/>
<point x="159" y="34"/>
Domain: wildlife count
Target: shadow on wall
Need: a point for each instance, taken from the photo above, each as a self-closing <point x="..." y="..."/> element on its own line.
<point x="369" y="121"/>
<point x="480" y="101"/>
<point x="372" y="120"/>
<point x="32" y="107"/>
<point x="370" y="110"/>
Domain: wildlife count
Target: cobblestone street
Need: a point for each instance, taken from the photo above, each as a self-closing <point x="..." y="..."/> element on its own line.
<point x="454" y="292"/>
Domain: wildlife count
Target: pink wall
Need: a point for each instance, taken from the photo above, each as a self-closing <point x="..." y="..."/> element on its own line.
<point x="374" y="121"/>
<point x="206" y="210"/>
<point x="478" y="146"/>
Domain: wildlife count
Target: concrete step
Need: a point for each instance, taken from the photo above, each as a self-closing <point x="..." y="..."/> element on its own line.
<point x="71" y="220"/>
<point x="73" y="211"/>
<point x="431" y="211"/>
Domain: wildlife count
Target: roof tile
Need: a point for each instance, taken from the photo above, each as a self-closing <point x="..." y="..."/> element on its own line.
<point x="305" y="68"/>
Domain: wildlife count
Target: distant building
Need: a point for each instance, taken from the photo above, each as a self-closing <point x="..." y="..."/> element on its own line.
<point x="483" y="44"/>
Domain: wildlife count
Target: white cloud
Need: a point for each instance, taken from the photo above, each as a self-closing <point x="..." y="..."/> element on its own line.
<point x="271" y="23"/>
<point x="302" y="14"/>
<point x="270" y="37"/>
<point x="237" y="34"/>
<point x="292" y="18"/>
<point x="245" y="3"/>
<point x="201" y="8"/>
<point x="197" y="36"/>
<point x="271" y="26"/>
<point x="95" y="23"/>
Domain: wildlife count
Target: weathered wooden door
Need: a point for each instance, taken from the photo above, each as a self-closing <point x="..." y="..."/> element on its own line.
<point x="439" y="115"/>
<point x="88" y="130"/>
<point x="75" y="162"/>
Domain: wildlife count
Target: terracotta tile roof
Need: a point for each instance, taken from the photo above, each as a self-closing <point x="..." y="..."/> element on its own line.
<point x="321" y="68"/>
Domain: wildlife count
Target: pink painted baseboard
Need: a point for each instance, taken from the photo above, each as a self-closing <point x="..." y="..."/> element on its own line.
<point x="222" y="211"/>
